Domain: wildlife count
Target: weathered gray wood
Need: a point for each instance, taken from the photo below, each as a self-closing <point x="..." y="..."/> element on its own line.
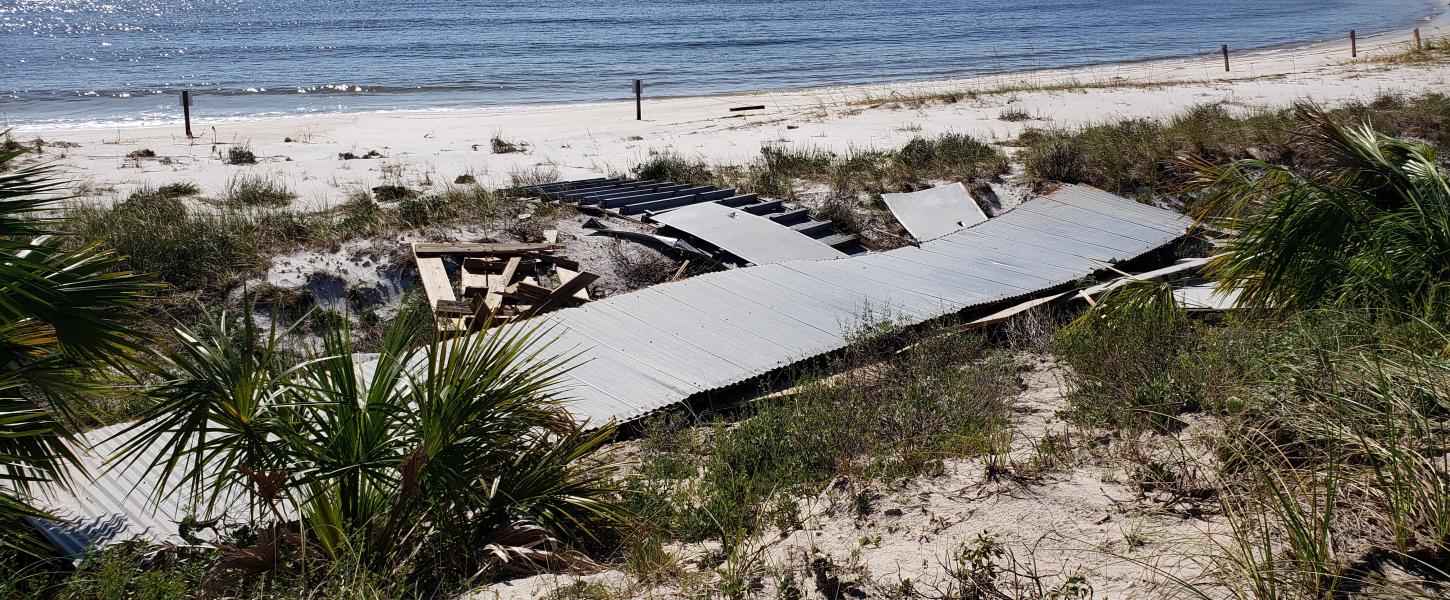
<point x="567" y="275"/>
<point x="455" y="307"/>
<point x="500" y="249"/>
<point x="561" y="294"/>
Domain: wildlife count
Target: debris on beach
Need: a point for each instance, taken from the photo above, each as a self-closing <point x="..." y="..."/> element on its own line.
<point x="498" y="282"/>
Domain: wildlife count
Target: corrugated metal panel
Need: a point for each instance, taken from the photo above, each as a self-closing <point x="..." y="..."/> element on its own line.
<point x="722" y="328"/>
<point x="116" y="505"/>
<point x="640" y="352"/>
<point x="1206" y="297"/>
<point x="752" y="238"/>
<point x="930" y="214"/>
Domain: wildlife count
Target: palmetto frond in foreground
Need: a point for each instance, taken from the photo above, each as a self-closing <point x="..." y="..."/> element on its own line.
<point x="442" y="459"/>
<point x="65" y="315"/>
<point x="1370" y="229"/>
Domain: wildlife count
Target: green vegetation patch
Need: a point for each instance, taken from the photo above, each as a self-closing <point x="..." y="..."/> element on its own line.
<point x="944" y="398"/>
<point x="257" y="191"/>
<point x="779" y="171"/>
<point x="1139" y="158"/>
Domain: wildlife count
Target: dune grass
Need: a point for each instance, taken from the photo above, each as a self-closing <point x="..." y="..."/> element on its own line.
<point x="944" y="398"/>
<point x="191" y="250"/>
<point x="781" y="172"/>
<point x="257" y="191"/>
<point x="1138" y="158"/>
<point x="1431" y="51"/>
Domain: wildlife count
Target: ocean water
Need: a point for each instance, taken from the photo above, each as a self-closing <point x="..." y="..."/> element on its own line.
<point x="92" y="62"/>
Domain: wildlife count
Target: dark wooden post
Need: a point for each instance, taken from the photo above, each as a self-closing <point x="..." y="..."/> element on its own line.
<point x="1418" y="47"/>
<point x="638" y="94"/>
<point x="186" y="110"/>
<point x="1353" y="45"/>
<point x="1225" y="58"/>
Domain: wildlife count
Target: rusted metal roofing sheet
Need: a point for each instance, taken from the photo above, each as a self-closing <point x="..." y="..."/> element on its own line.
<point x="750" y="237"/>
<point x="930" y="214"/>
<point x="647" y="350"/>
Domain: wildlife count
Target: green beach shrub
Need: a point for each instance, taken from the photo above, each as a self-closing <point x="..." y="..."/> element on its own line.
<point x="671" y="166"/>
<point x="240" y="155"/>
<point x="257" y="191"/>
<point x="945" y="397"/>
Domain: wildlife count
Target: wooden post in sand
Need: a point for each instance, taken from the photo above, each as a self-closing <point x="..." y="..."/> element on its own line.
<point x="638" y="95"/>
<point x="1225" y="58"/>
<point x="1418" y="47"/>
<point x="1353" y="45"/>
<point x="186" y="110"/>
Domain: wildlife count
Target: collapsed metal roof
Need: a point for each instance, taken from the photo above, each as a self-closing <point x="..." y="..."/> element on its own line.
<point x="643" y="351"/>
<point x="754" y="239"/>
<point x="650" y="199"/>
<point x="930" y="214"/>
<point x="647" y="350"/>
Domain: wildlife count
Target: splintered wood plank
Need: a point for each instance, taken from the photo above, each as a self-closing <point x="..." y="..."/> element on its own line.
<point x="567" y="275"/>
<point x="680" y="272"/>
<point x="527" y="292"/>
<point x="435" y="281"/>
<point x="509" y="270"/>
<point x="493" y="298"/>
<point x="495" y="264"/>
<point x="474" y="282"/>
<point x="492" y="302"/>
<point x="455" y="307"/>
<point x="438" y="249"/>
<point x="560" y="261"/>
<point x="561" y="294"/>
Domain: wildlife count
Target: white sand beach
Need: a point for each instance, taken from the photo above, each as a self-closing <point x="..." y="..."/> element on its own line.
<point x="581" y="140"/>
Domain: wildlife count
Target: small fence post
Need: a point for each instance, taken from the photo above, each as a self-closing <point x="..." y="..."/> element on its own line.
<point x="1418" y="47"/>
<point x="1353" y="45"/>
<point x="638" y="95"/>
<point x="186" y="110"/>
<point x="1225" y="58"/>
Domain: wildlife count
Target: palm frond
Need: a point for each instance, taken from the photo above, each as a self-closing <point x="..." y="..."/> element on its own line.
<point x="1368" y="228"/>
<point x="67" y="314"/>
<point x="422" y="450"/>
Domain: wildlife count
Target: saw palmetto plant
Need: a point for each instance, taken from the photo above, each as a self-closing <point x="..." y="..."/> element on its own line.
<point x="66" y="326"/>
<point x="1369" y="228"/>
<point x="441" y="460"/>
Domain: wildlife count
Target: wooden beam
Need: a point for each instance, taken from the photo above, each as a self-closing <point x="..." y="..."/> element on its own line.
<point x="561" y="294"/>
<point x="437" y="288"/>
<point x="509" y="270"/>
<point x="557" y="261"/>
<point x="567" y="275"/>
<point x="680" y="272"/>
<point x="435" y="281"/>
<point x="495" y="264"/>
<point x="527" y="292"/>
<point x="493" y="298"/>
<point x="435" y="249"/>
<point x="454" y="307"/>
<point x="474" y="281"/>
